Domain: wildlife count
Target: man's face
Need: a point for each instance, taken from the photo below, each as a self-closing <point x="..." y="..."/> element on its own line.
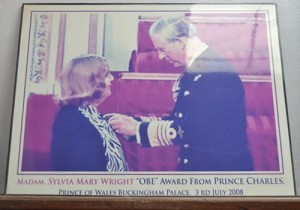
<point x="173" y="52"/>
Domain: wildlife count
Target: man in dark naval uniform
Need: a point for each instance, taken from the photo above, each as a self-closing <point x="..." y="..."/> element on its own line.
<point x="209" y="119"/>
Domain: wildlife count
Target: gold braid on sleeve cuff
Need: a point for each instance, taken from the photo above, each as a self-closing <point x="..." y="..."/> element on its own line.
<point x="160" y="133"/>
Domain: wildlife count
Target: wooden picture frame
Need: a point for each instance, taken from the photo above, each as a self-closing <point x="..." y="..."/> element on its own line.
<point x="37" y="31"/>
<point x="154" y="203"/>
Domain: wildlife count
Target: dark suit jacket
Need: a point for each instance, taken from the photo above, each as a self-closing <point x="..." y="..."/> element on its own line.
<point x="76" y="143"/>
<point x="210" y="117"/>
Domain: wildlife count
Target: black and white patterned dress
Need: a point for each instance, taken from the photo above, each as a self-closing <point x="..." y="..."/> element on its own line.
<point x="83" y="141"/>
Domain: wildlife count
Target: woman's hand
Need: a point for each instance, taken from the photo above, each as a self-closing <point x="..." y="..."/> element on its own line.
<point x="122" y="124"/>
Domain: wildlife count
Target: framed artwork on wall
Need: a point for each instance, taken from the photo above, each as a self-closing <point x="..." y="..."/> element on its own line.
<point x="153" y="100"/>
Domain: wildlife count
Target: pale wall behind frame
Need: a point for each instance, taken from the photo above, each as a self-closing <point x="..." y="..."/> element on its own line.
<point x="289" y="25"/>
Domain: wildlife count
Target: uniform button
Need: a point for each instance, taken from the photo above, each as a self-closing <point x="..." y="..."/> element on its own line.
<point x="179" y="159"/>
<point x="185" y="161"/>
<point x="186" y="146"/>
<point x="180" y="115"/>
<point x="186" y="93"/>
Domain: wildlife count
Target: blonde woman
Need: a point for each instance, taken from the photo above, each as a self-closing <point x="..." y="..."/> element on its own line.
<point x="81" y="138"/>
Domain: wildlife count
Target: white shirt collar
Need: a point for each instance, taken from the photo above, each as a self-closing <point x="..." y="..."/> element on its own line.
<point x="199" y="50"/>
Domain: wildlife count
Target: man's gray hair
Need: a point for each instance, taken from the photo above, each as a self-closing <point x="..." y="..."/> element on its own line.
<point x="172" y="28"/>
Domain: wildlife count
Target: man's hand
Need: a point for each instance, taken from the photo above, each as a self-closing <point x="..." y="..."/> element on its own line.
<point x="122" y="124"/>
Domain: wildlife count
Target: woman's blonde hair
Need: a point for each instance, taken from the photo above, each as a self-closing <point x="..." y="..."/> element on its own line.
<point x="82" y="80"/>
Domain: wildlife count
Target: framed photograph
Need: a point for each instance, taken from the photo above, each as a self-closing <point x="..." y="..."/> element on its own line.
<point x="159" y="100"/>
